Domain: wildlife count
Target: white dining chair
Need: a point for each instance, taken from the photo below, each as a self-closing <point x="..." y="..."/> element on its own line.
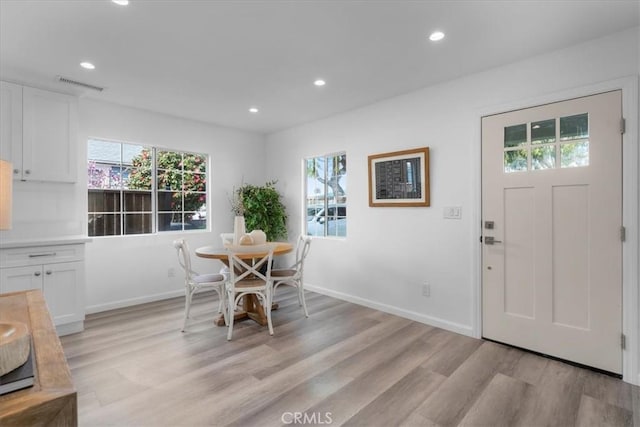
<point x="249" y="276"/>
<point x="293" y="276"/>
<point x="195" y="282"/>
<point x="227" y="238"/>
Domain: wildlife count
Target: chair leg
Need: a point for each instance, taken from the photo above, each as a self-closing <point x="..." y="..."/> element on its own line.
<point x="268" y="304"/>
<point x="298" y="289"/>
<point x="220" y="302"/>
<point x="230" y="316"/>
<point x="301" y="298"/>
<point x="187" y="307"/>
<point x="222" y="306"/>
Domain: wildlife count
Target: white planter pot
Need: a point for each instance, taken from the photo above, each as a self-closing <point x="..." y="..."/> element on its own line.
<point x="238" y="229"/>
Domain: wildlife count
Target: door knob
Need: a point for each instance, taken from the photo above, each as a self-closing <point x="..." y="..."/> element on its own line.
<point x="489" y="240"/>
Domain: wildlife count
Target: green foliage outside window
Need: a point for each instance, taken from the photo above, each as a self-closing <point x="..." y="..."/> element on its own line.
<point x="176" y="172"/>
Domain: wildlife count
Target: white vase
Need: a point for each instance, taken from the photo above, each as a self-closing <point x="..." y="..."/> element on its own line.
<point x="238" y="229"/>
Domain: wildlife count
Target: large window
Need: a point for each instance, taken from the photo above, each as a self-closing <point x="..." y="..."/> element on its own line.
<point x="136" y="189"/>
<point x="326" y="195"/>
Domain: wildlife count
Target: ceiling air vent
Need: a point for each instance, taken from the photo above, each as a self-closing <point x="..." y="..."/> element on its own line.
<point x="77" y="83"/>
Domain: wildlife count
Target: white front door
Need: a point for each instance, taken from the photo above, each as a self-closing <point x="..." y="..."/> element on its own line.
<point x="552" y="217"/>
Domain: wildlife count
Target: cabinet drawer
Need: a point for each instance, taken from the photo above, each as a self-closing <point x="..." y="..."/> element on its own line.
<point x="18" y="257"/>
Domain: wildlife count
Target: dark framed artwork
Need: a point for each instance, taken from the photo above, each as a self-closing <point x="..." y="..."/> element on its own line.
<point x="399" y="178"/>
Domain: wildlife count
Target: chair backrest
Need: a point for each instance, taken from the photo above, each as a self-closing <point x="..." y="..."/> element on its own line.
<point x="302" y="250"/>
<point x="182" y="248"/>
<point x="241" y="268"/>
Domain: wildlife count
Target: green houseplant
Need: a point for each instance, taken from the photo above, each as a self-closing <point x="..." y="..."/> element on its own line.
<point x="263" y="210"/>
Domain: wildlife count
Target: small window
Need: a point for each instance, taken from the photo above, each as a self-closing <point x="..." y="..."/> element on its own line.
<point x="545" y="144"/>
<point x="182" y="190"/>
<point x="119" y="189"/>
<point x="326" y="195"/>
<point x="136" y="189"/>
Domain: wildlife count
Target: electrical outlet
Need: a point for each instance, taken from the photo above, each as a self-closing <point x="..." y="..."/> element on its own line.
<point x="171" y="272"/>
<point x="426" y="290"/>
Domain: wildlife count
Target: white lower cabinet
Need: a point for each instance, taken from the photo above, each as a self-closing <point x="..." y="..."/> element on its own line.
<point x="58" y="271"/>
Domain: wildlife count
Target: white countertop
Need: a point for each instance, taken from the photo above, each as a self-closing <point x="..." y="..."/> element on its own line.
<point x="50" y="241"/>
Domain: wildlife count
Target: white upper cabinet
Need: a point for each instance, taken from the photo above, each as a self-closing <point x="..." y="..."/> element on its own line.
<point x="39" y="133"/>
<point x="11" y="123"/>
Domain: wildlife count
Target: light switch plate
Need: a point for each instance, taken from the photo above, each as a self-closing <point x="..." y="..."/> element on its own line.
<point x="452" y="212"/>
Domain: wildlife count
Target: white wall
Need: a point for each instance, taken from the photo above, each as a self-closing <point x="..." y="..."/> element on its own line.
<point x="390" y="252"/>
<point x="126" y="270"/>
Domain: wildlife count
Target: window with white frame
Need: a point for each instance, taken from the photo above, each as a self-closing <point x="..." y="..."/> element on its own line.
<point x="326" y="195"/>
<point x="137" y="189"/>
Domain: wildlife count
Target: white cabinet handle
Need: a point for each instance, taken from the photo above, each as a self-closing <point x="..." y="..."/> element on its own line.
<point x="49" y="272"/>
<point x="27" y="172"/>
<point x="16" y="171"/>
<point x="37" y="274"/>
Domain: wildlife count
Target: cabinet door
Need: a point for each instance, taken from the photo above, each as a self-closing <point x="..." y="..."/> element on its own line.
<point x="20" y="278"/>
<point x="50" y="122"/>
<point x="63" y="291"/>
<point x="11" y="125"/>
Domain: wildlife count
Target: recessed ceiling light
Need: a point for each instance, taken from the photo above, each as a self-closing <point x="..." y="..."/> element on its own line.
<point x="319" y="82"/>
<point x="87" y="65"/>
<point x="121" y="2"/>
<point x="253" y="110"/>
<point x="436" y="35"/>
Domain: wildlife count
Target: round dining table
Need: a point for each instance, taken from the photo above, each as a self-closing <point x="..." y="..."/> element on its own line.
<point x="251" y="307"/>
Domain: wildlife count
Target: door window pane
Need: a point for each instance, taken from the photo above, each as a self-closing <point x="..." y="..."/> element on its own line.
<point x="574" y="127"/>
<point x="515" y="135"/>
<point x="543" y="132"/>
<point x="515" y="160"/>
<point x="543" y="157"/>
<point x="574" y="154"/>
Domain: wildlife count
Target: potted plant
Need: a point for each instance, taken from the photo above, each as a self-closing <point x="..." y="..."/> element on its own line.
<point x="263" y="210"/>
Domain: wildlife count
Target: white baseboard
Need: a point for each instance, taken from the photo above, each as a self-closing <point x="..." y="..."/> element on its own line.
<point x="412" y="315"/>
<point x="133" y="301"/>
<point x="70" y="328"/>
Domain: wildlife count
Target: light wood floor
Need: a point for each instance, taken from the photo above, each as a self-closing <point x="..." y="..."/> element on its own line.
<point x="344" y="365"/>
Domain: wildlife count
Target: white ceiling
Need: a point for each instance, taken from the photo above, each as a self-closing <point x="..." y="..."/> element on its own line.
<point x="212" y="60"/>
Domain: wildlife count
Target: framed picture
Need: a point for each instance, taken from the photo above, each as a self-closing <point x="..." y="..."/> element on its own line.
<point x="399" y="178"/>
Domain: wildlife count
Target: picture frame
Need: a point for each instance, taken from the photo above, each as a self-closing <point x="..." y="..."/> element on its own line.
<point x="399" y="178"/>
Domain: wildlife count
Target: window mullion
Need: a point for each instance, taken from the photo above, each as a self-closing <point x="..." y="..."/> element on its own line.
<point x="326" y="196"/>
<point x="154" y="192"/>
<point x="121" y="184"/>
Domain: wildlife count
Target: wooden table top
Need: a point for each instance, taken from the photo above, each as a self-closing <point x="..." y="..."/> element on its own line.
<point x="52" y="400"/>
<point x="220" y="253"/>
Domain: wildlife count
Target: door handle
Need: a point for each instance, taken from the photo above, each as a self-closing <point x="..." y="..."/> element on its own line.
<point x="490" y="240"/>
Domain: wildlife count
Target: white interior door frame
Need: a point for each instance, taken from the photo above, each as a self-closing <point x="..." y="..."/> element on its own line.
<point x="630" y="210"/>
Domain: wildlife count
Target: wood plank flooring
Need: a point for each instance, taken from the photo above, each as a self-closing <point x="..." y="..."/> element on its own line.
<point x="344" y="365"/>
